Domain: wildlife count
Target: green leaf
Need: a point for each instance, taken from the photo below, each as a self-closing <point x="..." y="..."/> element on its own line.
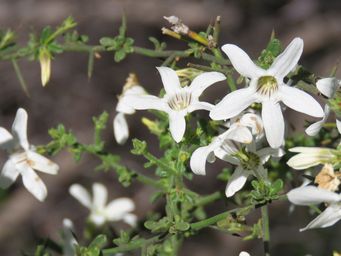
<point x="98" y="242"/>
<point x="140" y="147"/>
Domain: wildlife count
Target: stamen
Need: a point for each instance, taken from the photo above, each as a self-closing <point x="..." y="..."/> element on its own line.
<point x="267" y="85"/>
<point x="180" y="101"/>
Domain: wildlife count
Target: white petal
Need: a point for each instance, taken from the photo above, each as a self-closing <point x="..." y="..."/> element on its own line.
<point x="244" y="254"/>
<point x="199" y="158"/>
<point x="177" y="125"/>
<point x="5" y="138"/>
<point x="311" y="158"/>
<point x="309" y="195"/>
<point x="314" y="128"/>
<point x="265" y="153"/>
<point x="199" y="105"/>
<point x="118" y="208"/>
<point x="204" y="80"/>
<point x="236" y="181"/>
<point x="253" y="121"/>
<point x="121" y="130"/>
<point x="32" y="181"/>
<point x="309" y="150"/>
<point x="300" y="101"/>
<point x="288" y="59"/>
<point x="41" y="163"/>
<point x="81" y="194"/>
<point x="19" y="128"/>
<point x="142" y="102"/>
<point x="327" y="86"/>
<point x="8" y="174"/>
<point x="222" y="154"/>
<point x="327" y="218"/>
<point x="273" y="123"/>
<point x="97" y="219"/>
<point x="130" y="219"/>
<point x="241" y="61"/>
<point x="123" y="106"/>
<point x="170" y="80"/>
<point x="338" y="125"/>
<point x="239" y="133"/>
<point x="233" y="104"/>
<point x="100" y="195"/>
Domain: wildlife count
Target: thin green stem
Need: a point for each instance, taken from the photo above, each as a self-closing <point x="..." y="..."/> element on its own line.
<point x="266" y="229"/>
<point x="209" y="198"/>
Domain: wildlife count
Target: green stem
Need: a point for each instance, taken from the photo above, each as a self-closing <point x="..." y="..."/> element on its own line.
<point x="209" y="198"/>
<point x="266" y="229"/>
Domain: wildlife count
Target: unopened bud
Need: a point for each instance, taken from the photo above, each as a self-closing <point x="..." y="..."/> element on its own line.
<point x="45" y="65"/>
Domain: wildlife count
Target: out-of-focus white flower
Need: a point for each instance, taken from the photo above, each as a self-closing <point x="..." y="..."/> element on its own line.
<point x="268" y="88"/>
<point x="328" y="87"/>
<point x="69" y="240"/>
<point x="226" y="147"/>
<point x="123" y="108"/>
<point x="310" y="156"/>
<point x="178" y="101"/>
<point x="23" y="159"/>
<point x="100" y="212"/>
<point x="244" y="254"/>
<point x="310" y="195"/>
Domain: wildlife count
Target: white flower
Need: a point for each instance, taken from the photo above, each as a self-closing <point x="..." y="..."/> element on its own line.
<point x="226" y="147"/>
<point x="69" y="240"/>
<point x="116" y="210"/>
<point x="178" y="101"/>
<point x="123" y="108"/>
<point x="268" y="88"/>
<point x="309" y="195"/>
<point x="23" y="159"/>
<point x="328" y="87"/>
<point x="310" y="156"/>
<point x="244" y="254"/>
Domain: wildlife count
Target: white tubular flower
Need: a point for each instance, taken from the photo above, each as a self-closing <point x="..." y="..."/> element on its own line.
<point x="178" y="101"/>
<point x="69" y="240"/>
<point x="23" y="159"/>
<point x="310" y="156"/>
<point x="309" y="195"/>
<point x="123" y="108"/>
<point x="328" y="87"/>
<point x="268" y="88"/>
<point x="116" y="210"/>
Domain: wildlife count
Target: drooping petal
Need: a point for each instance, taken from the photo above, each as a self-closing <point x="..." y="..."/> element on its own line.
<point x="8" y="174"/>
<point x="309" y="195"/>
<point x="300" y="101"/>
<point x="200" y="156"/>
<point x="233" y="104"/>
<point x="19" y="128"/>
<point x="327" y="218"/>
<point x="327" y="86"/>
<point x="204" y="80"/>
<point x="338" y="125"/>
<point x="242" y="62"/>
<point x="130" y="219"/>
<point x="5" y="138"/>
<point x="121" y="130"/>
<point x="314" y="128"/>
<point x="177" y="125"/>
<point x="170" y="80"/>
<point x="273" y="123"/>
<point x="199" y="105"/>
<point x="236" y="181"/>
<point x="142" y="102"/>
<point x="32" y="181"/>
<point x="118" y="208"/>
<point x="288" y="59"/>
<point x="41" y="163"/>
<point x="81" y="194"/>
<point x="100" y="195"/>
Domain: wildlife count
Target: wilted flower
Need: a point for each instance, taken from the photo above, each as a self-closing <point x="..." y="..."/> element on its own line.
<point x="123" y="108"/>
<point x="328" y="179"/>
<point x="116" y="210"/>
<point x="268" y="88"/>
<point x="178" y="25"/>
<point x="23" y="159"/>
<point x="310" y="195"/>
<point x="178" y="101"/>
<point x="69" y="240"/>
<point x="311" y="156"/>
<point x="328" y="87"/>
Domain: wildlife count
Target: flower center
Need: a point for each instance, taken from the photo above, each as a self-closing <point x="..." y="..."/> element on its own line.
<point x="267" y="85"/>
<point x="248" y="160"/>
<point x="180" y="101"/>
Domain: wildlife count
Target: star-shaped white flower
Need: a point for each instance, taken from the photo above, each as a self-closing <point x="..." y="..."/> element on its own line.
<point x="267" y="87"/>
<point x="311" y="156"/>
<point x="123" y="108"/>
<point x="310" y="195"/>
<point x="23" y="159"/>
<point x="116" y="210"/>
<point x="178" y="101"/>
<point x="328" y="87"/>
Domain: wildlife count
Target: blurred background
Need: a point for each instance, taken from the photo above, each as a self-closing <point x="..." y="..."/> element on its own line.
<point x="72" y="99"/>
